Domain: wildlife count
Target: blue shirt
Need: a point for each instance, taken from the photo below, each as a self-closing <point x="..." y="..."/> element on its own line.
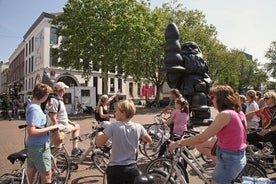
<point x="36" y="117"/>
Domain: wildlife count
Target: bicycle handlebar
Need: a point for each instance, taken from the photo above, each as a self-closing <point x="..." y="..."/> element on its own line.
<point x="22" y="126"/>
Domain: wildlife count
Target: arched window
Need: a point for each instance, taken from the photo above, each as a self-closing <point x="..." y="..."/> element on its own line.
<point x="70" y="81"/>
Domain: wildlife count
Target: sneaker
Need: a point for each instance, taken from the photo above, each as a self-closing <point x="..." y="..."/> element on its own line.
<point x="77" y="151"/>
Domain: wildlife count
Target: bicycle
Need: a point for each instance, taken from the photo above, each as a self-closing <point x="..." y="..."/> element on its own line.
<point x="159" y="132"/>
<point x="60" y="174"/>
<point x="172" y="170"/>
<point x="99" y="156"/>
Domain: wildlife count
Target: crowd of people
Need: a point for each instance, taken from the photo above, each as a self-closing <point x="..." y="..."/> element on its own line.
<point x="10" y="107"/>
<point x="229" y="133"/>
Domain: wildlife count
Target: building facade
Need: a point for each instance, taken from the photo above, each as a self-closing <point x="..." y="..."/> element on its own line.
<point x="31" y="63"/>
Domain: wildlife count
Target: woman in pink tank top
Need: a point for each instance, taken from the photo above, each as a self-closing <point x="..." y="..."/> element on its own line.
<point x="230" y="128"/>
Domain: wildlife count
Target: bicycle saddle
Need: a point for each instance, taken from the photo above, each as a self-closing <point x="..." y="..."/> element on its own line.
<point x="21" y="156"/>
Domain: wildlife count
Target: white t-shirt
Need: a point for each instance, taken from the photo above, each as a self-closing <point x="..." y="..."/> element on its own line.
<point x="62" y="116"/>
<point x="253" y="106"/>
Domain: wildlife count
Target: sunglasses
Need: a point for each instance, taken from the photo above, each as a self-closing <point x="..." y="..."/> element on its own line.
<point x="266" y="98"/>
<point x="212" y="97"/>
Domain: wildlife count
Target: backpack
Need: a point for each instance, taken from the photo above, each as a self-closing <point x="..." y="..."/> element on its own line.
<point x="51" y="95"/>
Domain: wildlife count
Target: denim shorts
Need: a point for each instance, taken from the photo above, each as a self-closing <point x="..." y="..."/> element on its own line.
<point x="229" y="164"/>
<point x="39" y="157"/>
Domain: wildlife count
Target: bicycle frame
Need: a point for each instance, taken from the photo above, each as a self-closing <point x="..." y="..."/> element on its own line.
<point x="196" y="166"/>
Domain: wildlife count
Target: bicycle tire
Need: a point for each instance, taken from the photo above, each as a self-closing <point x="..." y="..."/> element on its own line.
<point x="159" y="130"/>
<point x="6" y="179"/>
<point x="151" y="149"/>
<point x="164" y="164"/>
<point x="159" y="177"/>
<point x="251" y="169"/>
<point x="100" y="160"/>
<point x="63" y="173"/>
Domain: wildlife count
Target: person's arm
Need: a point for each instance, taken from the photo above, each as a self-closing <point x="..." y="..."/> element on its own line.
<point x="146" y="138"/>
<point x="220" y="121"/>
<point x="33" y="131"/>
<point x="112" y="97"/>
<point x="53" y="117"/>
<point x="102" y="115"/>
<point x="166" y="109"/>
<point x="170" y="121"/>
<point x="101" y="139"/>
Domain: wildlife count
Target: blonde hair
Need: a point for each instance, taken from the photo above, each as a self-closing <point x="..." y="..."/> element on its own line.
<point x="101" y="101"/>
<point x="128" y="107"/>
<point x="270" y="94"/>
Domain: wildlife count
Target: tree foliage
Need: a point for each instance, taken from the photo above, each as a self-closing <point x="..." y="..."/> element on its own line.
<point x="271" y="55"/>
<point x="105" y="34"/>
<point x="129" y="36"/>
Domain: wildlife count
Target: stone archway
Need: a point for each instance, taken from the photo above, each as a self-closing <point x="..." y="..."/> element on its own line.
<point x="38" y="79"/>
<point x="68" y="80"/>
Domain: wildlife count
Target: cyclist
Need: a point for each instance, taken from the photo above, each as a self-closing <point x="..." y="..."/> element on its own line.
<point x="268" y="117"/>
<point x="174" y="94"/>
<point x="253" y="121"/>
<point x="125" y="134"/>
<point x="102" y="115"/>
<point x="59" y="116"/>
<point x="230" y="129"/>
<point x="179" y="117"/>
<point x="39" y="155"/>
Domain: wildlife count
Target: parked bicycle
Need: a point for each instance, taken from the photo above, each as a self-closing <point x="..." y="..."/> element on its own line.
<point x="99" y="156"/>
<point x="60" y="169"/>
<point x="172" y="170"/>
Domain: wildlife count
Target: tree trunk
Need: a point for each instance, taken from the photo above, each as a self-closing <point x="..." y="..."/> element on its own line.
<point x="105" y="80"/>
<point x="158" y="91"/>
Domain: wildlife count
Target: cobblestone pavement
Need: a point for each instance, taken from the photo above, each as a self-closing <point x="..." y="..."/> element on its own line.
<point x="12" y="140"/>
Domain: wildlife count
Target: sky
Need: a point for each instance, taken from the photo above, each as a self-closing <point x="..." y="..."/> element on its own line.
<point x="248" y="25"/>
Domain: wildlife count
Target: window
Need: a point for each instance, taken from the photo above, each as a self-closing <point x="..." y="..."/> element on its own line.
<point x="26" y="49"/>
<point x="32" y="64"/>
<point x="130" y="90"/>
<point x="32" y="44"/>
<point x="112" y="85"/>
<point x="54" y="36"/>
<point x="139" y="89"/>
<point x="67" y="98"/>
<point x="26" y="67"/>
<point x="120" y="85"/>
<point x="29" y="69"/>
<point x="85" y="92"/>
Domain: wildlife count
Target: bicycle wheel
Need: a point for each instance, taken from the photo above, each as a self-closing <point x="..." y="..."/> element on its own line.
<point x="60" y="169"/>
<point x="165" y="164"/>
<point x="160" y="177"/>
<point x="100" y="159"/>
<point x="159" y="130"/>
<point x="251" y="169"/>
<point x="6" y="179"/>
<point x="151" y="149"/>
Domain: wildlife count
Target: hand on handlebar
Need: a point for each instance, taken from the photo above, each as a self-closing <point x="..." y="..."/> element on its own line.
<point x="173" y="145"/>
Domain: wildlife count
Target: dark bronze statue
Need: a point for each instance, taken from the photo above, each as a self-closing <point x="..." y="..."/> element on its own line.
<point x="188" y="72"/>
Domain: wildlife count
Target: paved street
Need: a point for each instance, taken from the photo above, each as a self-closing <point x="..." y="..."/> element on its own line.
<point x="11" y="140"/>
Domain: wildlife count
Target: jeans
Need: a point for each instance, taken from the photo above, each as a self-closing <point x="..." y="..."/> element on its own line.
<point x="229" y="165"/>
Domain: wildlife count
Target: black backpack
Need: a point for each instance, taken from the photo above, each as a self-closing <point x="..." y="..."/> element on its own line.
<point x="51" y="95"/>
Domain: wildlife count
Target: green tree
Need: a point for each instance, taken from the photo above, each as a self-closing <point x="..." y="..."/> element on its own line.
<point x="100" y="34"/>
<point x="271" y="56"/>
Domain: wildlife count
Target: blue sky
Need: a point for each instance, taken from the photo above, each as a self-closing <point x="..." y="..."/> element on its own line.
<point x="243" y="24"/>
